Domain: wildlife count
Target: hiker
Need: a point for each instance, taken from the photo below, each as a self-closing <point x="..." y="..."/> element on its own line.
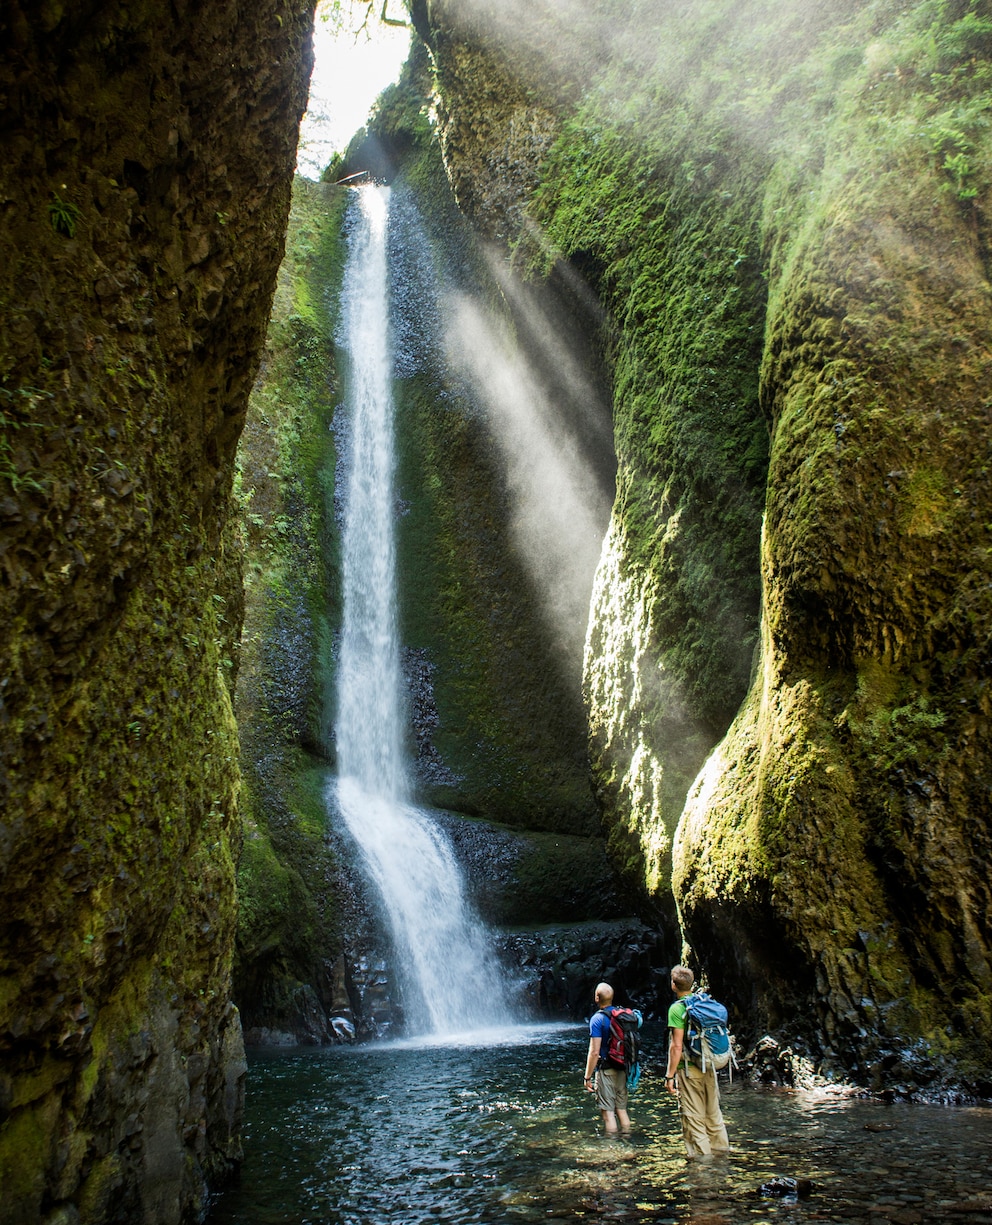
<point x="609" y="1084"/>
<point x="703" y="1128"/>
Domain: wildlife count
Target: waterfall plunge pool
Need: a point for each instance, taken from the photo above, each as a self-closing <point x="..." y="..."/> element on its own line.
<point x="484" y="1132"/>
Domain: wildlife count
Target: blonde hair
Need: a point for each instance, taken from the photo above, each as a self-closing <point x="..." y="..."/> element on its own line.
<point x="683" y="978"/>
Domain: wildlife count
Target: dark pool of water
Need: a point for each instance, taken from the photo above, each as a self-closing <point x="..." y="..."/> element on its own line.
<point x="500" y="1130"/>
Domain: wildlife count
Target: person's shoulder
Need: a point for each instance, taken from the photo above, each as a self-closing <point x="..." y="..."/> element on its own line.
<point x="676" y="1014"/>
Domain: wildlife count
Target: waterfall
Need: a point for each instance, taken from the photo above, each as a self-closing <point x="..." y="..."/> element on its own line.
<point x="449" y="974"/>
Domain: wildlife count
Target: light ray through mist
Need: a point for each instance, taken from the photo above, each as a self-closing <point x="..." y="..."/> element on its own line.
<point x="539" y="333"/>
<point x="559" y="508"/>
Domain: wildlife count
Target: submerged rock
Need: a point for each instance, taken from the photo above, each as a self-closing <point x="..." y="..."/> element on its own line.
<point x="786" y="1189"/>
<point x="344" y="1030"/>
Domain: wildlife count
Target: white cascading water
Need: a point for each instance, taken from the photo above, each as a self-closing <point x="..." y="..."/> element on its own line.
<point x="450" y="976"/>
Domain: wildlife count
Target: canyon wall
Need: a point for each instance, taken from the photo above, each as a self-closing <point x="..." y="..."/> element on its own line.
<point x="784" y="212"/>
<point x="147" y="156"/>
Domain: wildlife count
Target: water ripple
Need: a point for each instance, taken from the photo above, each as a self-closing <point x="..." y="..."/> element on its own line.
<point x="478" y="1135"/>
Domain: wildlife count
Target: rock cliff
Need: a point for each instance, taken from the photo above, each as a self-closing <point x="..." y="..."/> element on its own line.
<point x="784" y="211"/>
<point x="147" y="155"/>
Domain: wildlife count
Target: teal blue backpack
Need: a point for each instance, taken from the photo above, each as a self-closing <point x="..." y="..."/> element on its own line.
<point x="707" y="1037"/>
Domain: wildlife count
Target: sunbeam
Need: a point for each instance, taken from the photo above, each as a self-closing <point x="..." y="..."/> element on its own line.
<point x="560" y="507"/>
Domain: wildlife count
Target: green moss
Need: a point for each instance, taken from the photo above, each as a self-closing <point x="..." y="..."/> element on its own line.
<point x="23" y="1156"/>
<point x="102" y="1181"/>
<point x="928" y="503"/>
<point x="755" y="231"/>
<point x="509" y="728"/>
<point x="287" y="917"/>
<point x="264" y="895"/>
<point x="664" y="218"/>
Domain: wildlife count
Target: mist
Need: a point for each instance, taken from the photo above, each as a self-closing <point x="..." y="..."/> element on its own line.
<point x="547" y="435"/>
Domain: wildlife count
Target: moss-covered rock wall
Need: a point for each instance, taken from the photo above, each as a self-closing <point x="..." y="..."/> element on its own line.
<point x="145" y="172"/>
<point x="289" y="935"/>
<point x="844" y="818"/>
<point x="783" y="210"/>
<point x="497" y="714"/>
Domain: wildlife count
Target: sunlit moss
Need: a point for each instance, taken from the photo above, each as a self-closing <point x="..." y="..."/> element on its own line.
<point x="796" y="238"/>
<point x="664" y="217"/>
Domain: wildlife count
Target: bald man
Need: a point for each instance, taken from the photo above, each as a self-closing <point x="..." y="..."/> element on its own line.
<point x="609" y="1084"/>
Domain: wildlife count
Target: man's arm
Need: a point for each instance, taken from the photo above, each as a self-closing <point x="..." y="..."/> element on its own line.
<point x="674" y="1058"/>
<point x="592" y="1058"/>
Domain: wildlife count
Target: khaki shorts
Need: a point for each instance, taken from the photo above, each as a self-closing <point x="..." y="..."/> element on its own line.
<point x="611" y="1089"/>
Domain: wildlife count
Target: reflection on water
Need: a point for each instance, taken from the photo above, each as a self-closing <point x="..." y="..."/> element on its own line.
<point x="493" y="1133"/>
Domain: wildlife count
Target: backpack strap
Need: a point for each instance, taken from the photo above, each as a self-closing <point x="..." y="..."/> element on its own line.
<point x="604" y="1043"/>
<point x="685" y="1033"/>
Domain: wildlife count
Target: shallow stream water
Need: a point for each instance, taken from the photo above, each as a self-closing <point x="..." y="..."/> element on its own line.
<point x="497" y="1128"/>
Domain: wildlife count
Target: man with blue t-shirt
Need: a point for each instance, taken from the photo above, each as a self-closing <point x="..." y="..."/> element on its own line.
<point x="608" y="1083"/>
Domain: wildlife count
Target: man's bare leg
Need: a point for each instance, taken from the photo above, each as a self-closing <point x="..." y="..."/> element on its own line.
<point x="610" y="1121"/>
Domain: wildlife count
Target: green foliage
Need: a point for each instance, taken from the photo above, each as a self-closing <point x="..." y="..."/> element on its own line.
<point x="355" y="16"/>
<point x="936" y="65"/>
<point x="398" y="129"/>
<point x="910" y="733"/>
<point x="14" y="403"/>
<point x="63" y="215"/>
<point x="334" y="169"/>
<point x="895" y="725"/>
<point x="966" y="38"/>
<point x="401" y="108"/>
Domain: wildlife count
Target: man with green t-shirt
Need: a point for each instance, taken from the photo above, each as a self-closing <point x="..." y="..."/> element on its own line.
<point x="703" y="1128"/>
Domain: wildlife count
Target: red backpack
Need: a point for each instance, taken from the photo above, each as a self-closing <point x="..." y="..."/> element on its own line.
<point x="623" y="1045"/>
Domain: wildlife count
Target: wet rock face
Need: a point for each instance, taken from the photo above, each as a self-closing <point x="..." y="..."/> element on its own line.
<point x="558" y="967"/>
<point x="831" y="860"/>
<point x="845" y="801"/>
<point x="494" y="127"/>
<point x="145" y="171"/>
